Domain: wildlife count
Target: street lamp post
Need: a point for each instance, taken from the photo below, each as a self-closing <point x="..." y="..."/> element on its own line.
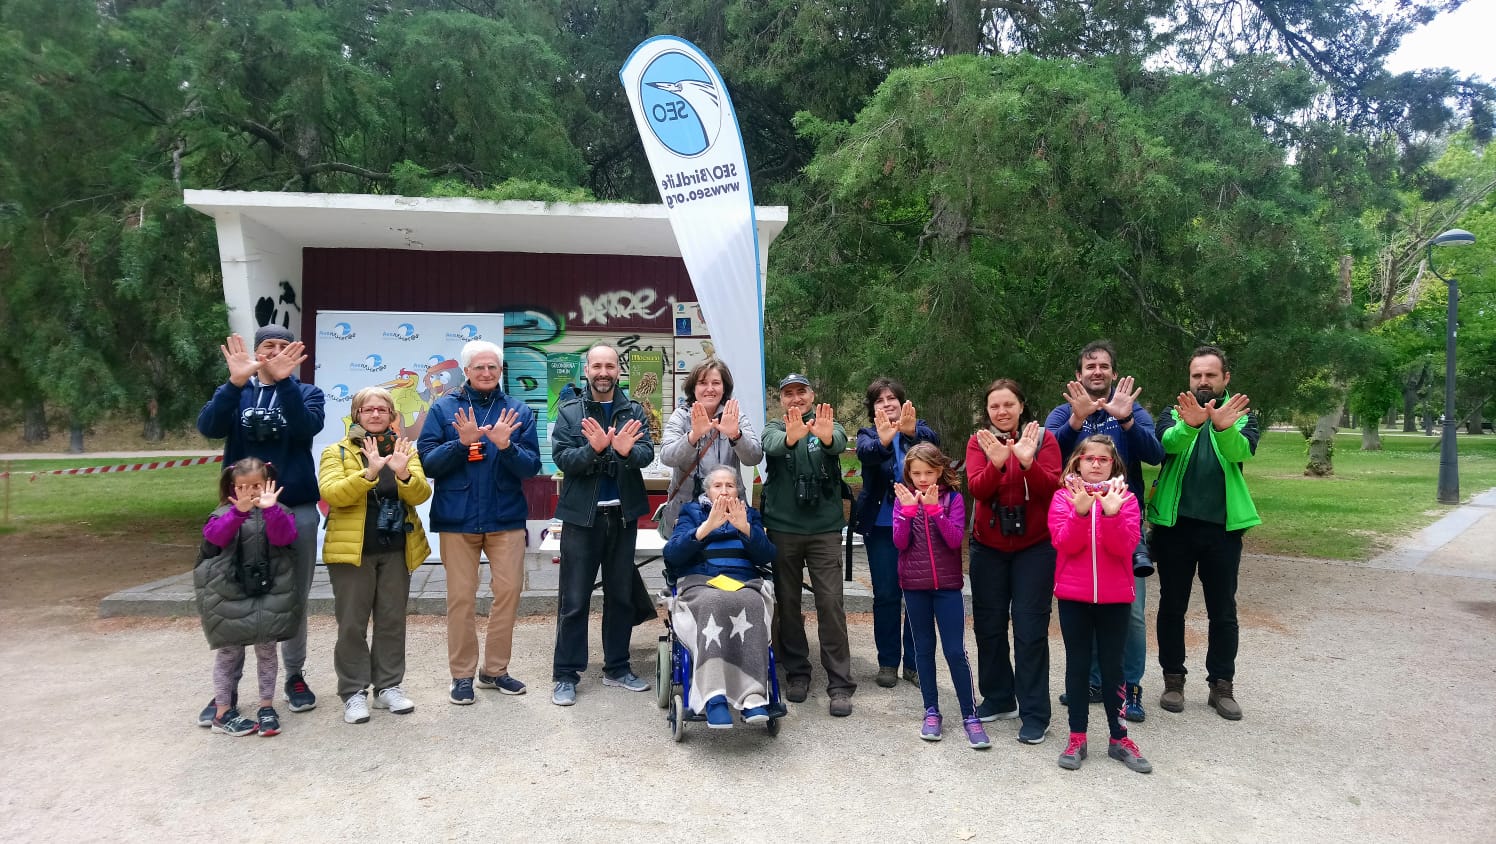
<point x="1449" y="455"/>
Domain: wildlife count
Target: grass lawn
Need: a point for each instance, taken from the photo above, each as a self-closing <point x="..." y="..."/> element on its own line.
<point x="1374" y="499"/>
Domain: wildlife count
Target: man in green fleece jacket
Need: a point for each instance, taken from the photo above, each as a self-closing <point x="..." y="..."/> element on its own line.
<point x="802" y="508"/>
<point x="1199" y="511"/>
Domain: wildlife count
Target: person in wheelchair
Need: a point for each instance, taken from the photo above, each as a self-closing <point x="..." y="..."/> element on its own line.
<point x="719" y="560"/>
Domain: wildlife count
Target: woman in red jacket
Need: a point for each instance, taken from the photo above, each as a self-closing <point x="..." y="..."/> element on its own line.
<point x="1012" y="470"/>
<point x="1091" y="521"/>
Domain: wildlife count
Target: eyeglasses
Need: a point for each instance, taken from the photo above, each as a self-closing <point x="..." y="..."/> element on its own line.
<point x="374" y="411"/>
<point x="1096" y="458"/>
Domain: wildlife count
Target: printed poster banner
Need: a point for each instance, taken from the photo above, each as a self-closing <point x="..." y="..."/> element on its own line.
<point x="413" y="355"/>
<point x="690" y="134"/>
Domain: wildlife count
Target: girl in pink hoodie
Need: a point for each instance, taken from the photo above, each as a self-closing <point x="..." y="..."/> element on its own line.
<point x="1092" y="523"/>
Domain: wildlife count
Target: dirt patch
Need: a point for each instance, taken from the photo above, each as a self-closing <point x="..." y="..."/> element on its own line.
<point x="58" y="575"/>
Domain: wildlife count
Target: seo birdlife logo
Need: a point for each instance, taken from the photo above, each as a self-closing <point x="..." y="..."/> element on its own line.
<point x="681" y="103"/>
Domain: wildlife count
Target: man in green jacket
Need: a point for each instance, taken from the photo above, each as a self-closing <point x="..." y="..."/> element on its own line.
<point x="802" y="508"/>
<point x="1199" y="511"/>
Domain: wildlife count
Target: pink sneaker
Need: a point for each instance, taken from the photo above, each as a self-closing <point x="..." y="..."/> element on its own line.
<point x="931" y="729"/>
<point x="1075" y="752"/>
<point x="1124" y="751"/>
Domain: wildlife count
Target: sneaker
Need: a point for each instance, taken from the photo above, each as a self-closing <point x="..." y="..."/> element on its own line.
<point x="975" y="735"/>
<point x="270" y="722"/>
<point x="988" y="712"/>
<point x="718" y="715"/>
<point x="461" y="691"/>
<point x="1031" y="734"/>
<point x="1093" y="695"/>
<point x="1222" y="700"/>
<point x="888" y="676"/>
<point x="626" y="680"/>
<point x="205" y="718"/>
<point x="394" y="699"/>
<point x="233" y="724"/>
<point x="930" y="731"/>
<point x="1132" y="707"/>
<point x="1075" y="752"/>
<point x="756" y="715"/>
<point x="841" y="705"/>
<point x="356" y="708"/>
<point x="504" y="683"/>
<point x="1124" y="751"/>
<point x="797" y="689"/>
<point x="912" y="676"/>
<point x="1172" y="700"/>
<point x="299" y="694"/>
<point x="565" y="693"/>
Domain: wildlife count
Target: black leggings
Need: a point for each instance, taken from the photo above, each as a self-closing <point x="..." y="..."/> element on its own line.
<point x="1106" y="625"/>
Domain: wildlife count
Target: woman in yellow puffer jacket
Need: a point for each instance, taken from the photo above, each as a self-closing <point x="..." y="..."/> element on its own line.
<point x="372" y="481"/>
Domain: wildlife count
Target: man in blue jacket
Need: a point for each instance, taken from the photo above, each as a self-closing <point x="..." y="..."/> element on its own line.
<point x="1098" y="403"/>
<point x="478" y="445"/>
<point x="264" y="411"/>
<point x="601" y="444"/>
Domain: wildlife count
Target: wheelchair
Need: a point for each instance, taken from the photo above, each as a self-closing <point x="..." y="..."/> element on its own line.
<point x="673" y="679"/>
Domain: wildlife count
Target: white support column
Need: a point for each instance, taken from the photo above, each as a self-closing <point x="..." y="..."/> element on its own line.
<point x="259" y="267"/>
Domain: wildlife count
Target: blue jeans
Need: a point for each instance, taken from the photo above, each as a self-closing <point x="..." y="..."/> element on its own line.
<point x="1135" y="648"/>
<point x="883" y="567"/>
<point x="945" y="609"/>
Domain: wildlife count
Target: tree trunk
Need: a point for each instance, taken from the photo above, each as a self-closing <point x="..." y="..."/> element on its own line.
<point x="153" y="432"/>
<point x="1476" y="422"/>
<point x="1391" y="418"/>
<point x="1371" y="433"/>
<point x="1410" y="409"/>
<point x="35" y="425"/>
<point x="1428" y="420"/>
<point x="1322" y="445"/>
<point x="963" y="27"/>
<point x="75" y="438"/>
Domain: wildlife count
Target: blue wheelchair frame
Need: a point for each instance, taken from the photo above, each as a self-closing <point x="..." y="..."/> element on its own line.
<point x="675" y="690"/>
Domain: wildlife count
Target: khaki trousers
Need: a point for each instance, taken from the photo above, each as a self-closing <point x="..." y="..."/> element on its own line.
<point x="505" y="550"/>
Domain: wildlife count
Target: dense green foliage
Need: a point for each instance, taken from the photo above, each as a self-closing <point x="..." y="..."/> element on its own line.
<point x="976" y="187"/>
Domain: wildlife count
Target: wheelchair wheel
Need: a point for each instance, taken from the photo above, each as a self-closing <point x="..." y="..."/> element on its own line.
<point x="677" y="718"/>
<point x="773" y="727"/>
<point x="663" y="672"/>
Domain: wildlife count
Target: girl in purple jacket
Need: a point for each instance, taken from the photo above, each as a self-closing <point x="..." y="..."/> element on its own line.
<point x="929" y="523"/>
<point x="1093" y="524"/>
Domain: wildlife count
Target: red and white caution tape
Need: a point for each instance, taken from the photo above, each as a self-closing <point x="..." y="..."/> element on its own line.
<point x="124" y="467"/>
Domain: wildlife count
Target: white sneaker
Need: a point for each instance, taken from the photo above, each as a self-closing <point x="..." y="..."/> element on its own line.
<point x="394" y="700"/>
<point x="356" y="709"/>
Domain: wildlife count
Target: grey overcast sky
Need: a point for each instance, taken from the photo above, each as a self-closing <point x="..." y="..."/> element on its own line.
<point x="1462" y="39"/>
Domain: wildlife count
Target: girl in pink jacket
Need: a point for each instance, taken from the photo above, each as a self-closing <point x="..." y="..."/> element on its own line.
<point x="1093" y="524"/>
<point x="929" y="523"/>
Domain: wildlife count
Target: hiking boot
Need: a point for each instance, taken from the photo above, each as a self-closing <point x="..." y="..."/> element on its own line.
<point x="299" y="695"/>
<point x="1075" y="752"/>
<point x="888" y="676"/>
<point x="797" y="689"/>
<point x="504" y="683"/>
<point x="394" y="699"/>
<point x="461" y="691"/>
<point x="356" y="708"/>
<point x="912" y="676"/>
<point x="841" y="705"/>
<point x="233" y="724"/>
<point x="269" y="721"/>
<point x="1124" y="751"/>
<point x="565" y="693"/>
<point x="718" y="714"/>
<point x="626" y="680"/>
<point x="975" y="735"/>
<point x="1172" y="700"/>
<point x="1222" y="701"/>
<point x="987" y="712"/>
<point x="1132" y="707"/>
<point x="930" y="729"/>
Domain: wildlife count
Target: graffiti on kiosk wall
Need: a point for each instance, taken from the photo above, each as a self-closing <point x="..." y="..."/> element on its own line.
<point x="533" y="337"/>
<point x="623" y="304"/>
<point x="278" y="310"/>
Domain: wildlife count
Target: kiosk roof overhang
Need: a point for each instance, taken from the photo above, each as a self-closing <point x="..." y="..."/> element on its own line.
<point x="449" y="224"/>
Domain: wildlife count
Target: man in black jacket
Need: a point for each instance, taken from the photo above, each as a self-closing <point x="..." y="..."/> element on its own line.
<point x="601" y="444"/>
